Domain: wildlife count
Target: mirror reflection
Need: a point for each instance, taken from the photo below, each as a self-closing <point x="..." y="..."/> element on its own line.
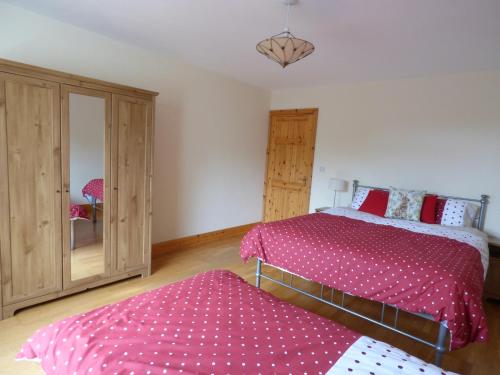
<point x="86" y="152"/>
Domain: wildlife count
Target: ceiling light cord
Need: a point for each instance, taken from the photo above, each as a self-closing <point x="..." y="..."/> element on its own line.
<point x="287" y="18"/>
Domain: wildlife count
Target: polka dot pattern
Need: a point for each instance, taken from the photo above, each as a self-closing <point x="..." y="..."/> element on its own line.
<point x="470" y="236"/>
<point x="359" y="197"/>
<point x="417" y="272"/>
<point x="212" y="323"/>
<point x="94" y="188"/>
<point x="458" y="213"/>
<point x="440" y="209"/>
<point x="368" y="356"/>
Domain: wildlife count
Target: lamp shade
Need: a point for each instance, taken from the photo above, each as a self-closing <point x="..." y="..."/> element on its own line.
<point x="336" y="184"/>
<point x="285" y="48"/>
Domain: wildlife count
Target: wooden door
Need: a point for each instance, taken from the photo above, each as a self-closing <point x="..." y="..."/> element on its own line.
<point x="30" y="188"/>
<point x="290" y="155"/>
<point x="132" y="137"/>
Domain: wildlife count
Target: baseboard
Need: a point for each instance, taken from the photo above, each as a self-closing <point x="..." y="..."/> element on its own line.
<point x="199" y="239"/>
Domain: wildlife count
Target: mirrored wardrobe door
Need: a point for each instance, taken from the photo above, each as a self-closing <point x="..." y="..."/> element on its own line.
<point x="86" y="151"/>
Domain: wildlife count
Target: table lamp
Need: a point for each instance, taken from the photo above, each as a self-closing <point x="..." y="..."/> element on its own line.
<point x="336" y="184"/>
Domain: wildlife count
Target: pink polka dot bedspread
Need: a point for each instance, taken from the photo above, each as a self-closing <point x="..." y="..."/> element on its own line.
<point x="94" y="188"/>
<point x="416" y="272"/>
<point x="212" y="323"/>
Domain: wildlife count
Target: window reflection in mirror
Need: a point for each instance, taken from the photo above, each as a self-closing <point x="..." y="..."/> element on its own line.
<point x="86" y="153"/>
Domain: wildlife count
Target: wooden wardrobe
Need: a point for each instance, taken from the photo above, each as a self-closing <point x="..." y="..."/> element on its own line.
<point x="39" y="144"/>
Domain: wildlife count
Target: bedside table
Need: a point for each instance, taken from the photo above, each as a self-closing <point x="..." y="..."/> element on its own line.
<point x="492" y="283"/>
<point x="321" y="209"/>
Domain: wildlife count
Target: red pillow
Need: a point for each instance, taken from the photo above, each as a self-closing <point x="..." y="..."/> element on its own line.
<point x="428" y="213"/>
<point x="376" y="202"/>
<point x="440" y="209"/>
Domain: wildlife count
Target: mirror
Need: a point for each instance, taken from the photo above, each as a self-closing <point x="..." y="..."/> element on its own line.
<point x="87" y="119"/>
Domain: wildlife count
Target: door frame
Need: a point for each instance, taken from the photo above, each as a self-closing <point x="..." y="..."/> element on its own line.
<point x="66" y="90"/>
<point x="289" y="112"/>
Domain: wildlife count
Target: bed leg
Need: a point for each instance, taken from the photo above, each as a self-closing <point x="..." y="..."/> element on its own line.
<point x="440" y="343"/>
<point x="94" y="208"/>
<point x="258" y="273"/>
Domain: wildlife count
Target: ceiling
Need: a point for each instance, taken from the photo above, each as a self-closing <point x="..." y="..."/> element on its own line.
<point x="356" y="40"/>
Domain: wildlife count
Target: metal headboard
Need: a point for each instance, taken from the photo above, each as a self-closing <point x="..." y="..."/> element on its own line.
<point x="483" y="201"/>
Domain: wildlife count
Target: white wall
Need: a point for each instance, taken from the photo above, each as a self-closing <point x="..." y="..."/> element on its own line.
<point x="87" y="123"/>
<point x="437" y="133"/>
<point x="211" y="131"/>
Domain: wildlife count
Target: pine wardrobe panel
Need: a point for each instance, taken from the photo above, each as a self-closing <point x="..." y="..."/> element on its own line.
<point x="132" y="154"/>
<point x="30" y="188"/>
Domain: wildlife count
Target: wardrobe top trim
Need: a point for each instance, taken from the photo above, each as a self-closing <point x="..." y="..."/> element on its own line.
<point x="14" y="67"/>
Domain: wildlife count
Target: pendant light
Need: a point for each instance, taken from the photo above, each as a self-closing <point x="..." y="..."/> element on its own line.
<point x="285" y="48"/>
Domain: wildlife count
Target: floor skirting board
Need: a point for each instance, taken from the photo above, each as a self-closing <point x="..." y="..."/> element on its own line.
<point x="199" y="239"/>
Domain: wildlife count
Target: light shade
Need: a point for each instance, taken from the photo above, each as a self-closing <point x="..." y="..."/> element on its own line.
<point x="336" y="184"/>
<point x="285" y="48"/>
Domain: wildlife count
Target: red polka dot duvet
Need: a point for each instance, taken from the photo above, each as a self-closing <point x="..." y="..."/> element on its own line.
<point x="421" y="268"/>
<point x="212" y="323"/>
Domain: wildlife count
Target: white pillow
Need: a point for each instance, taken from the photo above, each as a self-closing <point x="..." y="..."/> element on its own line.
<point x="471" y="212"/>
<point x="359" y="197"/>
<point x="459" y="213"/>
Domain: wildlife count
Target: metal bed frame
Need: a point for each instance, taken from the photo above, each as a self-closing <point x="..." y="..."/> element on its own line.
<point x="93" y="203"/>
<point x="439" y="345"/>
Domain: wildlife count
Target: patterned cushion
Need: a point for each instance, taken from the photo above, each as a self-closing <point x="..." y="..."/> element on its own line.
<point x="458" y="213"/>
<point x="405" y="204"/>
<point x="359" y="197"/>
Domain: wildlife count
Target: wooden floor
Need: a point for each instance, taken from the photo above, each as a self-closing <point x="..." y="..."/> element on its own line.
<point x="87" y="258"/>
<point x="87" y="261"/>
<point x="475" y="359"/>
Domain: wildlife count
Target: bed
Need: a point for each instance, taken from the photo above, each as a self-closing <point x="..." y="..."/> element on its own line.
<point x="214" y="322"/>
<point x="93" y="191"/>
<point x="433" y="271"/>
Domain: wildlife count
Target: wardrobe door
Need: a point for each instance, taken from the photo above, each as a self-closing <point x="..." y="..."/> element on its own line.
<point x="132" y="134"/>
<point x="30" y="188"/>
<point x="86" y="174"/>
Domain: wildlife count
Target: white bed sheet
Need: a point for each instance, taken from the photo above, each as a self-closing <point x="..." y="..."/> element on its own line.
<point x="368" y="356"/>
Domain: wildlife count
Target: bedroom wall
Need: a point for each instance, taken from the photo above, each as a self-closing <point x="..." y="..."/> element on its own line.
<point x="437" y="133"/>
<point x="211" y="131"/>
